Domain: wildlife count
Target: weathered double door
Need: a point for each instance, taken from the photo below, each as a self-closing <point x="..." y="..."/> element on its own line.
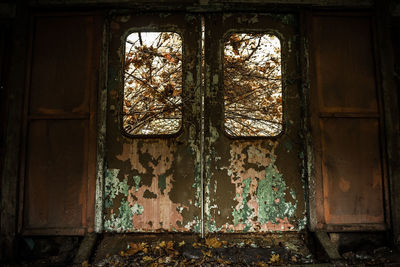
<point x="203" y="178"/>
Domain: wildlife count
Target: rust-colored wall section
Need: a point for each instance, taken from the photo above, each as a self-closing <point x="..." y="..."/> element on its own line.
<point x="347" y="124"/>
<point x="58" y="179"/>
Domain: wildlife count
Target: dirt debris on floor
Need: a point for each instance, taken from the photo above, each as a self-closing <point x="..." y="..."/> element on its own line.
<point x="208" y="252"/>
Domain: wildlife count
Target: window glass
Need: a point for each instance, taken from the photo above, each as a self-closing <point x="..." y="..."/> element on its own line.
<point x="152" y="103"/>
<point x="252" y="85"/>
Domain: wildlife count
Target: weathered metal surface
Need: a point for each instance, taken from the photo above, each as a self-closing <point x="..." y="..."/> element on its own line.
<point x="54" y="192"/>
<point x="101" y="133"/>
<point x="58" y="179"/>
<point x="253" y="185"/>
<point x="153" y="184"/>
<point x="347" y="125"/>
<point x="352" y="171"/>
<point x="345" y="46"/>
<point x="59" y="83"/>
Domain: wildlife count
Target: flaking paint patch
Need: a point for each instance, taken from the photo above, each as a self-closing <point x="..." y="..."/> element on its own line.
<point x="136" y="179"/>
<point x="122" y="220"/>
<point x="261" y="199"/>
<point x="143" y="207"/>
<point x="129" y="152"/>
<point x="162" y="182"/>
<point x="161" y="211"/>
<point x="209" y="204"/>
<point x="272" y="206"/>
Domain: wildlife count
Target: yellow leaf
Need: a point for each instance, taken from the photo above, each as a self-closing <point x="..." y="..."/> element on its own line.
<point x="196" y="245"/>
<point x="206" y="253"/>
<point x="162" y="244"/>
<point x="213" y="242"/>
<point x="181" y="243"/>
<point x="147" y="258"/>
<point x="85" y="264"/>
<point x="219" y="260"/>
<point x="133" y="249"/>
<point x="294" y="259"/>
<point x="170" y="245"/>
<point x="261" y="264"/>
<point x="274" y="258"/>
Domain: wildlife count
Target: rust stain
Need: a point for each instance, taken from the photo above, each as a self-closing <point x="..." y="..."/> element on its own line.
<point x="344" y="184"/>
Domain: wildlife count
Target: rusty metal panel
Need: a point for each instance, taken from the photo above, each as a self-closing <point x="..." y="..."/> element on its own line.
<point x="352" y="171"/>
<point x="62" y="56"/>
<point x="152" y="183"/>
<point x="344" y="64"/>
<point x="252" y="184"/>
<point x="346" y="123"/>
<point x="58" y="161"/>
<point x="56" y="166"/>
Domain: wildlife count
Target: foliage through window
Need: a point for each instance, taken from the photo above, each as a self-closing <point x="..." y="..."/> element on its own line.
<point x="152" y="103"/>
<point x="252" y="85"/>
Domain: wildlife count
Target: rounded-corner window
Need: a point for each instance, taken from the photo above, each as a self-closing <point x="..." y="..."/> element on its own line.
<point x="152" y="98"/>
<point x="252" y="85"/>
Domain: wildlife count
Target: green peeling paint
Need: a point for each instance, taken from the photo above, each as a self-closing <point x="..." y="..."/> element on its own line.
<point x="271" y="196"/>
<point x="162" y="182"/>
<point x="242" y="214"/>
<point x="136" y="179"/>
<point x="123" y="221"/>
<point x="113" y="188"/>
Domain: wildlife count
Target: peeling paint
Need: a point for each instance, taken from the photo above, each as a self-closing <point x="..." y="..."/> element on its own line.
<point x="144" y="202"/>
<point x="263" y="200"/>
<point x="113" y="188"/>
<point x="162" y="182"/>
<point x="246" y="186"/>
<point x="271" y="197"/>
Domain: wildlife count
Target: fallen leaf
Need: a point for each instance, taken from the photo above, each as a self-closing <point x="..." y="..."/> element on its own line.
<point x="261" y="264"/>
<point x="170" y="245"/>
<point x="196" y="245"/>
<point x="85" y="264"/>
<point x="206" y="253"/>
<point x="133" y="249"/>
<point x="162" y="244"/>
<point x="181" y="243"/>
<point x="274" y="258"/>
<point x="213" y="242"/>
<point x="147" y="258"/>
<point x="219" y="260"/>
